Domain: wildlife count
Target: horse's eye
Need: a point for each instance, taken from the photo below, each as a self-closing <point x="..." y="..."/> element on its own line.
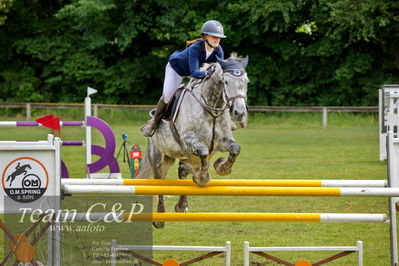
<point x="226" y="82"/>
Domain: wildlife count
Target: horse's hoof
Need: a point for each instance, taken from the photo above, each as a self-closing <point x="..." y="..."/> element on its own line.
<point x="181" y="208"/>
<point x="202" y="180"/>
<point x="218" y="165"/>
<point x="158" y="225"/>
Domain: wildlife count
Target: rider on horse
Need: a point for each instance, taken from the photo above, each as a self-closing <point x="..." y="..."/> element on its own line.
<point x="187" y="63"/>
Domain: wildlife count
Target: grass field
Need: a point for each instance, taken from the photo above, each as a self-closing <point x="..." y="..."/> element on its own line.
<point x="274" y="146"/>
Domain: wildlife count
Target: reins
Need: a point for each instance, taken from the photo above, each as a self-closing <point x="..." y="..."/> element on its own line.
<point x="215" y="112"/>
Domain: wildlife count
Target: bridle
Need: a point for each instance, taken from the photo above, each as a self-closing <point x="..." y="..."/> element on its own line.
<point x="236" y="74"/>
<point x="214" y="111"/>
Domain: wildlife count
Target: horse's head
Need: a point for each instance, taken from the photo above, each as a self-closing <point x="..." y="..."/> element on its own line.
<point x="236" y="84"/>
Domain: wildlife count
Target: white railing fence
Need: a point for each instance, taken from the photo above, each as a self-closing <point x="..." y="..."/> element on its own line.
<point x="324" y="110"/>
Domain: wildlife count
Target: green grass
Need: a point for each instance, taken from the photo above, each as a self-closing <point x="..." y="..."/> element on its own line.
<point x="278" y="146"/>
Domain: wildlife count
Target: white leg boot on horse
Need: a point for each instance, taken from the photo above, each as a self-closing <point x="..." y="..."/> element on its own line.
<point x="149" y="128"/>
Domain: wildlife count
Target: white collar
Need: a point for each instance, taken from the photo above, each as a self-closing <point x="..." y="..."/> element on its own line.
<point x="208" y="53"/>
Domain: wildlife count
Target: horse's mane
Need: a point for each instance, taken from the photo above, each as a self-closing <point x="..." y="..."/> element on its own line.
<point x="235" y="57"/>
<point x="205" y="66"/>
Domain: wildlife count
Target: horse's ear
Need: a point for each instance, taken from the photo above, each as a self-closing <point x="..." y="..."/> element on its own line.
<point x="220" y="61"/>
<point x="244" y="62"/>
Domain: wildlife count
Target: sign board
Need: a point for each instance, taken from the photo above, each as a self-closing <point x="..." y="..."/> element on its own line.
<point x="30" y="173"/>
<point x="388" y="115"/>
<point x="136" y="156"/>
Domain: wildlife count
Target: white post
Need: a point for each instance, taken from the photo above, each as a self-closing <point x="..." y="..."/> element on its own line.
<point x="359" y="253"/>
<point x="228" y="253"/>
<point x="50" y="246"/>
<point x="58" y="235"/>
<point x="392" y="157"/>
<point x="57" y="243"/>
<point x="246" y="253"/>
<point x="28" y="112"/>
<point x="113" y="253"/>
<point x="381" y="132"/>
<point x="88" y="130"/>
<point x="325" y="117"/>
<point x="95" y="110"/>
<point x="87" y="107"/>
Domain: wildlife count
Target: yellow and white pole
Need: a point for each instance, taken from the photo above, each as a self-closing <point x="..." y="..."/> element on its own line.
<point x="229" y="182"/>
<point x="229" y="217"/>
<point x="256" y="217"/>
<point x="232" y="191"/>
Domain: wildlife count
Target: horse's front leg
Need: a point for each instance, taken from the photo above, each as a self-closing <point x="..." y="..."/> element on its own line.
<point x="183" y="171"/>
<point x="201" y="174"/>
<point x="222" y="165"/>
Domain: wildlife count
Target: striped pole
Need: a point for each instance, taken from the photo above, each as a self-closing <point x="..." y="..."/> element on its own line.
<point x="36" y="124"/>
<point x="231" y="217"/>
<point x="256" y="217"/>
<point x="73" y="143"/>
<point x="232" y="191"/>
<point x="229" y="182"/>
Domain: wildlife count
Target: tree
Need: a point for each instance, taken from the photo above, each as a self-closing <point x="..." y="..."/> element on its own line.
<point x="325" y="52"/>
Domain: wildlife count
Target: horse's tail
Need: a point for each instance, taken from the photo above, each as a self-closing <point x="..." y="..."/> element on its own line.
<point x="145" y="171"/>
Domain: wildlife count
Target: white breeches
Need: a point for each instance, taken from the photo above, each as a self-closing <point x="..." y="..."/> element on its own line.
<point x="171" y="83"/>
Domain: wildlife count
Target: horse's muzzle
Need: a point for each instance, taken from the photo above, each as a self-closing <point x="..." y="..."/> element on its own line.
<point x="240" y="117"/>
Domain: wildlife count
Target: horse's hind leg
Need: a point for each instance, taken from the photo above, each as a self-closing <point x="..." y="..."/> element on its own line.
<point x="182" y="204"/>
<point x="160" y="169"/>
<point x="12" y="179"/>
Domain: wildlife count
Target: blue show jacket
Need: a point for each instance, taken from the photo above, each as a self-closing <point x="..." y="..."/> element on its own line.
<point x="188" y="61"/>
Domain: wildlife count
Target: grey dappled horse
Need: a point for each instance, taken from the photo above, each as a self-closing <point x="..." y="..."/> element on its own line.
<point x="202" y="128"/>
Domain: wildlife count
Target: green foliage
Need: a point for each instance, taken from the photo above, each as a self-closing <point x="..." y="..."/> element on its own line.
<point x="5" y="6"/>
<point x="301" y="52"/>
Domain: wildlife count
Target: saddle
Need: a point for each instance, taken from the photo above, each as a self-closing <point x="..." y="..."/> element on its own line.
<point x="172" y="109"/>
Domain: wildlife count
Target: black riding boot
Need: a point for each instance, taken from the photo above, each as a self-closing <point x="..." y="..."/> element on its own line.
<point x="149" y="128"/>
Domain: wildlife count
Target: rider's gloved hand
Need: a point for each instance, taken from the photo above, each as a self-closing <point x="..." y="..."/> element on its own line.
<point x="208" y="73"/>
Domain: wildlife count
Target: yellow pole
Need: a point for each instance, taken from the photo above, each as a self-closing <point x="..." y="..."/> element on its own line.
<point x="237" y="191"/>
<point x="225" y="182"/>
<point x="223" y="217"/>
